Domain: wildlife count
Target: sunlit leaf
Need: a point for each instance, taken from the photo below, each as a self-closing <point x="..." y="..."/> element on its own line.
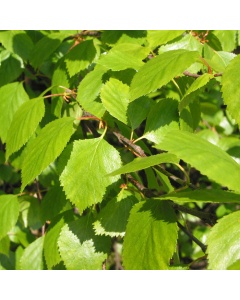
<point x="9" y="211"/>
<point x="12" y="96"/>
<point x="141" y="163"/>
<point x="80" y="248"/>
<point x="151" y="236"/>
<point x="46" y="148"/>
<point x="25" y="122"/>
<point x="231" y="88"/>
<point x="160" y="70"/>
<point x="209" y="159"/>
<point x="90" y="161"/>
<point x="223" y="242"/>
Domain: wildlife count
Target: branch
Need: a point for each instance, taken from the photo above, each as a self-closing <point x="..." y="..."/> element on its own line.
<point x="192" y="237"/>
<point x="125" y="141"/>
<point x="197" y="75"/>
<point x="208" y="218"/>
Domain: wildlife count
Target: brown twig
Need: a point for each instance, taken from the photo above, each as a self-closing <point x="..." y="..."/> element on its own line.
<point x="125" y="141"/>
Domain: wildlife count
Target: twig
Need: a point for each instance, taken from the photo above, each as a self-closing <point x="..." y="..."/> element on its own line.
<point x="125" y="141"/>
<point x="192" y="237"/>
<point x="208" y="218"/>
<point x="187" y="73"/>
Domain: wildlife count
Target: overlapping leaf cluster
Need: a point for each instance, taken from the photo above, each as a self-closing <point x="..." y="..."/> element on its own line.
<point x="119" y="149"/>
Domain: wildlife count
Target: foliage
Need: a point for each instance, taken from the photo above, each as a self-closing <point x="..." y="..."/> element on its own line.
<point x="119" y="150"/>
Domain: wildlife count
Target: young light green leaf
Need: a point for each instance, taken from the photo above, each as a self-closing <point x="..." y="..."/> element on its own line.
<point x="112" y="219"/>
<point x="223" y="242"/>
<point x="46" y="148"/>
<point x="151" y="236"/>
<point x="160" y="70"/>
<point x="209" y="159"/>
<point x="227" y="38"/>
<point x="212" y="196"/>
<point x="197" y="84"/>
<point x="231" y="88"/>
<point x="90" y="160"/>
<point x="141" y="163"/>
<point x="218" y="60"/>
<point x="80" y="248"/>
<point x="115" y="98"/>
<point x="124" y="56"/>
<point x="89" y="89"/>
<point x="162" y="117"/>
<point x="50" y="247"/>
<point x="32" y="257"/>
<point x="80" y="57"/>
<point x="45" y="47"/>
<point x="160" y="37"/>
<point x="25" y="122"/>
<point x="187" y="42"/>
<point x="12" y="96"/>
<point x="9" y="211"/>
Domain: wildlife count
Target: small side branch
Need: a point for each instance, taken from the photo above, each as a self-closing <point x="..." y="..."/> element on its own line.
<point x="197" y="75"/>
<point x="192" y="237"/>
<point x="205" y="217"/>
<point x="125" y="141"/>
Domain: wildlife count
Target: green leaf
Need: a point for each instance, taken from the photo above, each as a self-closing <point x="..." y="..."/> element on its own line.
<point x="9" y="211"/>
<point x="50" y="247"/>
<point x="124" y="56"/>
<point x="17" y="41"/>
<point x="151" y="236"/>
<point x="160" y="70"/>
<point x="10" y="67"/>
<point x="190" y="116"/>
<point x="46" y="148"/>
<point x="209" y="159"/>
<point x="160" y="37"/>
<point x="53" y="203"/>
<point x="138" y="110"/>
<point x="227" y="38"/>
<point x="89" y="89"/>
<point x="80" y="57"/>
<point x="115" y="98"/>
<point x="197" y="84"/>
<point x="80" y="248"/>
<point x="112" y="37"/>
<point x="162" y="117"/>
<point x="223" y="242"/>
<point x="32" y="257"/>
<point x="212" y="196"/>
<point x="12" y="97"/>
<point x="112" y="219"/>
<point x="187" y="42"/>
<point x="60" y="77"/>
<point x="140" y="163"/>
<point x="25" y="122"/>
<point x="90" y="160"/>
<point x="45" y="47"/>
<point x="231" y="88"/>
<point x="218" y="60"/>
<point x="30" y="210"/>
<point x="5" y="245"/>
